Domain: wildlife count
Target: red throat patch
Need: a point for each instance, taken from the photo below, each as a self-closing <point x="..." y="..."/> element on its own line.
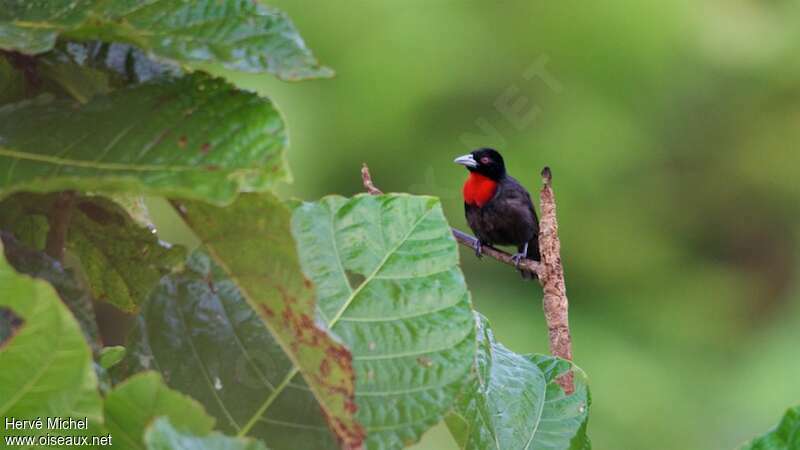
<point x="479" y="189"/>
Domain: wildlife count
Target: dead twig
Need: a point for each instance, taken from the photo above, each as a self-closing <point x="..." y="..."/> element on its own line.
<point x="367" y="179"/>
<point x="555" y="301"/>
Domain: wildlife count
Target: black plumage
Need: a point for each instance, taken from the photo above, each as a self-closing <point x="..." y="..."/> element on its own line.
<point x="498" y="209"/>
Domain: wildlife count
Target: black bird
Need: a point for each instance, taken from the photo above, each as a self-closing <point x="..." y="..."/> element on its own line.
<point x="498" y="209"/>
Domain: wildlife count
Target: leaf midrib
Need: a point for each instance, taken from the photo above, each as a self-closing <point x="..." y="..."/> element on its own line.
<point x="94" y="164"/>
<point x="539" y="413"/>
<point x="377" y="269"/>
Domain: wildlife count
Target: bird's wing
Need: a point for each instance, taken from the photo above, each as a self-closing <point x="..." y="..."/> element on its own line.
<point x="516" y="193"/>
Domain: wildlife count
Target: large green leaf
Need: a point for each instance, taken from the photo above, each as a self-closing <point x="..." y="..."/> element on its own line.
<point x="251" y="240"/>
<point x="389" y="284"/>
<point x="46" y="368"/>
<point x="786" y="436"/>
<point x="136" y="402"/>
<point x="516" y="403"/>
<point x="208" y="342"/>
<point x="241" y="35"/>
<point x="122" y="260"/>
<point x="194" y="137"/>
<point x="163" y="436"/>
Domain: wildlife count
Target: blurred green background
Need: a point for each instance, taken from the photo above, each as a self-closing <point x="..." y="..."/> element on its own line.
<point x="672" y="129"/>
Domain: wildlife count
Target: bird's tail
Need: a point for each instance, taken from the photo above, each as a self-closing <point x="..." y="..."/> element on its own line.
<point x="533" y="253"/>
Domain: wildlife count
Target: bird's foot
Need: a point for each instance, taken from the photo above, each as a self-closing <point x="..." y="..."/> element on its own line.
<point x="478" y="249"/>
<point x="517" y="258"/>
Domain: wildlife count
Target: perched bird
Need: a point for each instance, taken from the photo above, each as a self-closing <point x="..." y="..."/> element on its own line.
<point x="498" y="209"/>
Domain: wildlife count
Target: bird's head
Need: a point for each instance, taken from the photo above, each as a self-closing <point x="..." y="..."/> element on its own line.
<point x="485" y="161"/>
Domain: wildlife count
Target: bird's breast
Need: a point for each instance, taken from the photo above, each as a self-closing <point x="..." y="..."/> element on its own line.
<point x="478" y="189"/>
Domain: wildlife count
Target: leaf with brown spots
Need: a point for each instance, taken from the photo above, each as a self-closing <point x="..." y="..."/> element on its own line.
<point x="251" y="241"/>
<point x="209" y="343"/>
<point x="192" y="137"/>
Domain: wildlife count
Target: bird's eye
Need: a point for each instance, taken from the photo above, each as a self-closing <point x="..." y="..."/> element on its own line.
<point x="485" y="160"/>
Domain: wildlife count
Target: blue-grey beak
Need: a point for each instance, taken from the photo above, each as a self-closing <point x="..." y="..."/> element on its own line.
<point x="466" y="160"/>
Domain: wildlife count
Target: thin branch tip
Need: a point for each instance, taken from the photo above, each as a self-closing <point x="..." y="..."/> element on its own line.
<point x="366" y="179"/>
<point x="547" y="175"/>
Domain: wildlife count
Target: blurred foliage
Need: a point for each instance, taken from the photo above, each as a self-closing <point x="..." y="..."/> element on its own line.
<point x="673" y="143"/>
<point x="785" y="435"/>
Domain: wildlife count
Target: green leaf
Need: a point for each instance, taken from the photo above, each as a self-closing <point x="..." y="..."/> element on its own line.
<point x="81" y="82"/>
<point x="136" y="207"/>
<point x="162" y="436"/>
<point x="203" y="336"/>
<point x="241" y="35"/>
<point x="37" y="264"/>
<point x="121" y="260"/>
<point x="47" y="368"/>
<point x="195" y="137"/>
<point x="786" y="436"/>
<point x="251" y="240"/>
<point x="515" y="402"/>
<point x="136" y="402"/>
<point x="111" y="356"/>
<point x="389" y="284"/>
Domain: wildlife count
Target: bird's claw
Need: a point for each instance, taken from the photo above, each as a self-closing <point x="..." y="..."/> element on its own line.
<point x="478" y="249"/>
<point x="517" y="258"/>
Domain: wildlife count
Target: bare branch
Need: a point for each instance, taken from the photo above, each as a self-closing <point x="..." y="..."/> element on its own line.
<point x="527" y="265"/>
<point x="462" y="238"/>
<point x="555" y="301"/>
